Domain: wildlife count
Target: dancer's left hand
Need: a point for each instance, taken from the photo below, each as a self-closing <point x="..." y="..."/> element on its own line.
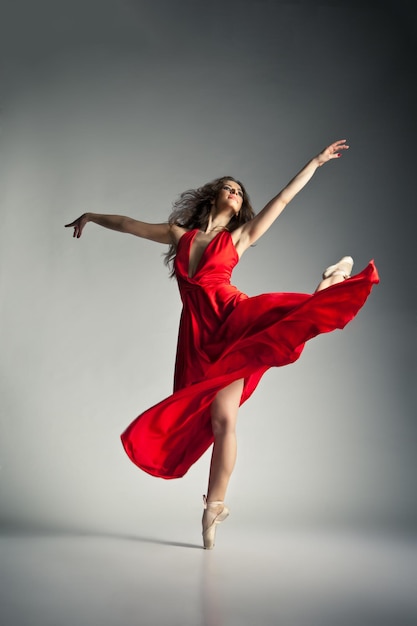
<point x="334" y="151"/>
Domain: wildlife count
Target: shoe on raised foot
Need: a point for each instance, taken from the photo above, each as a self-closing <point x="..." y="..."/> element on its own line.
<point x="341" y="268"/>
<point x="214" y="513"/>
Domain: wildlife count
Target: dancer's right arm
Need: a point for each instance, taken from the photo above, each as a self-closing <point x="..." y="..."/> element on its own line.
<point x="161" y="233"/>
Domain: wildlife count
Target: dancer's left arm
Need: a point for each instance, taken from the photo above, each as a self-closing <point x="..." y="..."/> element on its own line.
<point x="255" y="228"/>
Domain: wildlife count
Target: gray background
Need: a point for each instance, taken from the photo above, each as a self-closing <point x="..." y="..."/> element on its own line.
<point x="117" y="107"/>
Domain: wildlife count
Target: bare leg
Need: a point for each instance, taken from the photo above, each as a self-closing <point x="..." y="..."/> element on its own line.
<point x="336" y="273"/>
<point x="223" y="418"/>
<point x="332" y="280"/>
<point x="224" y="411"/>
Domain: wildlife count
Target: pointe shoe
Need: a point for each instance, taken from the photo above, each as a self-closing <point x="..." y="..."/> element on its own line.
<point x="210" y="520"/>
<point x="341" y="268"/>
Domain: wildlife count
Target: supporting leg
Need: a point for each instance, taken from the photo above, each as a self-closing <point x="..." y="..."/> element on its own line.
<point x="224" y="412"/>
<point x="223" y="418"/>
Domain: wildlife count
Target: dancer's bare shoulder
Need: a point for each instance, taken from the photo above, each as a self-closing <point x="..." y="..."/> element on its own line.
<point x="240" y="239"/>
<point x="176" y="232"/>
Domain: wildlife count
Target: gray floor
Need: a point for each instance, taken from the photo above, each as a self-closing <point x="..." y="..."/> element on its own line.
<point x="289" y="578"/>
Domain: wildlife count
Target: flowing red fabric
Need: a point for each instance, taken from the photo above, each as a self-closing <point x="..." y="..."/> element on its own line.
<point x="224" y="335"/>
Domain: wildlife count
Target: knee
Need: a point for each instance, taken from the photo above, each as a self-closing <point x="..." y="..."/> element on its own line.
<point x="222" y="423"/>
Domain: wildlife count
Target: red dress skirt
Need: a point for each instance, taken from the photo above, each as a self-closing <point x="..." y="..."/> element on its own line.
<point x="224" y="336"/>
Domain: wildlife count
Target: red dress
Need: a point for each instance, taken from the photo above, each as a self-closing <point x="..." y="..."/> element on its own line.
<point x="224" y="335"/>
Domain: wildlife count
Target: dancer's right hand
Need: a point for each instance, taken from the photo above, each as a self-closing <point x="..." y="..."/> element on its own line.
<point x="78" y="225"/>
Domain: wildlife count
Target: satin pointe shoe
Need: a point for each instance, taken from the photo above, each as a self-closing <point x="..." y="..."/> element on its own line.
<point x="214" y="513"/>
<point x="341" y="268"/>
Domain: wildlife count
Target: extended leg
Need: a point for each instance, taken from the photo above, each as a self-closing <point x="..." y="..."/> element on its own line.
<point x="336" y="273"/>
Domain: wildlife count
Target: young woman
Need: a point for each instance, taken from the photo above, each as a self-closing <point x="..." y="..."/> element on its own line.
<point x="226" y="340"/>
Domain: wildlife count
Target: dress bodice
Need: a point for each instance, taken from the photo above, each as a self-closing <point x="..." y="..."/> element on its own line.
<point x="208" y="299"/>
<point x="210" y="285"/>
<point x="216" y="263"/>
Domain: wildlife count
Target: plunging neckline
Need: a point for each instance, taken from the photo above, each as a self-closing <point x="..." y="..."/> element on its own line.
<point x="198" y="264"/>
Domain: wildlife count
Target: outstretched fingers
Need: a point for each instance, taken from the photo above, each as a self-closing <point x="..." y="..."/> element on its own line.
<point x="76" y="232"/>
<point x="334" y="151"/>
<point x="334" y="148"/>
<point x="78" y="226"/>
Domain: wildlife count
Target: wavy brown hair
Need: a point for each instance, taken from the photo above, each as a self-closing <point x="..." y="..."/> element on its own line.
<point x="193" y="207"/>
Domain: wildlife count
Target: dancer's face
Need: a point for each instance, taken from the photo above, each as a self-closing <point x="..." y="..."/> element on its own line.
<point x="230" y="196"/>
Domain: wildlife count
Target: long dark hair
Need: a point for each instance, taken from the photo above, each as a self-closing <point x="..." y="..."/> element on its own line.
<point x="193" y="207"/>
